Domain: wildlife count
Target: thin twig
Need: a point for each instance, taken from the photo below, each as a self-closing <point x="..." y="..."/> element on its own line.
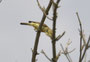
<point x="80" y="37"/>
<point x="60" y="36"/>
<point x="66" y="54"/>
<point x="46" y="55"/>
<point x="43" y="10"/>
<point x="71" y="50"/>
<point x="39" y="31"/>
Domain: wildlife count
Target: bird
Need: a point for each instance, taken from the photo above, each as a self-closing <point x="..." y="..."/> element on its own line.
<point x="48" y="31"/>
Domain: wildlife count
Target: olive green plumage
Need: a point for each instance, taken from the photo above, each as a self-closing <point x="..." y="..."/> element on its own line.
<point x="44" y="29"/>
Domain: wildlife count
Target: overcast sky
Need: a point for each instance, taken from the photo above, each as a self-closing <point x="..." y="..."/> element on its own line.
<point x="16" y="41"/>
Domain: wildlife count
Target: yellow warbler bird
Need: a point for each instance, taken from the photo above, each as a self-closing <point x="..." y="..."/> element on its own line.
<point x="44" y="29"/>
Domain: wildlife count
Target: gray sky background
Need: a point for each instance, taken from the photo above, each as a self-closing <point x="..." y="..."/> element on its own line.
<point x="16" y="41"/>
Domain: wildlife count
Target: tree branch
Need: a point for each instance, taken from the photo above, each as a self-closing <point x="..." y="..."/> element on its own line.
<point x="39" y="31"/>
<point x="66" y="53"/>
<point x="86" y="48"/>
<point x="54" y="30"/>
<point x="43" y="10"/>
<point x="59" y="36"/>
<point x="80" y="37"/>
<point x="46" y="56"/>
<point x="86" y="45"/>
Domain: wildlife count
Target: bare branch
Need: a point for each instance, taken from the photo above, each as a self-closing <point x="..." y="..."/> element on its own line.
<point x="43" y="10"/>
<point x="60" y="36"/>
<point x="54" y="4"/>
<point x="65" y="52"/>
<point x="86" y="48"/>
<point x="71" y="51"/>
<point x="46" y="55"/>
<point x="39" y="31"/>
<point x="80" y="36"/>
<point x="54" y="31"/>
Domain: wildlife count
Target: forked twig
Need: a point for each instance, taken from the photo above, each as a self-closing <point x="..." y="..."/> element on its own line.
<point x="43" y="10"/>
<point x="66" y="53"/>
<point x="82" y="37"/>
<point x="60" y="36"/>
